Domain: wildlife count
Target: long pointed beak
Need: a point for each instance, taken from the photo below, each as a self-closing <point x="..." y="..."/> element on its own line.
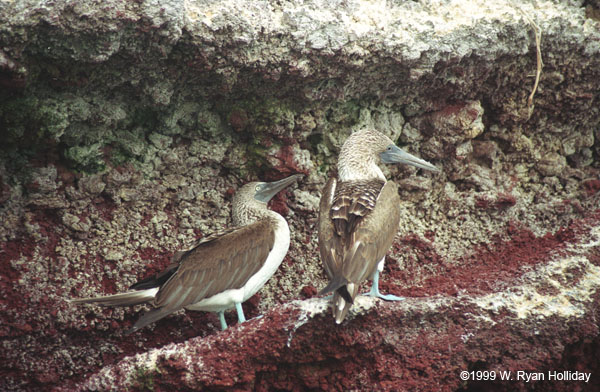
<point x="270" y="189"/>
<point x="398" y="155"/>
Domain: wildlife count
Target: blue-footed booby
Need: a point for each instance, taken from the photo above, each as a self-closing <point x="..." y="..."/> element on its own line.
<point x="221" y="270"/>
<point x="359" y="214"/>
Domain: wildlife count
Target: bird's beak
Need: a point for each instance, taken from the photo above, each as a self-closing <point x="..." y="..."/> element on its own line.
<point x="394" y="154"/>
<point x="270" y="189"/>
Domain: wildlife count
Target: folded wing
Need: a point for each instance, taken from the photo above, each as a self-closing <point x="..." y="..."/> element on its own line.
<point x="357" y="225"/>
<point x="218" y="263"/>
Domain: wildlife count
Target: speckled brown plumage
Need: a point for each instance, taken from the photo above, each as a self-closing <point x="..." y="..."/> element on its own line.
<point x="351" y="202"/>
<point x="359" y="215"/>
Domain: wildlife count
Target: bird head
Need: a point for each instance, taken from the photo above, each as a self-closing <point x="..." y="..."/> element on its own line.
<point x="364" y="150"/>
<point x="254" y="196"/>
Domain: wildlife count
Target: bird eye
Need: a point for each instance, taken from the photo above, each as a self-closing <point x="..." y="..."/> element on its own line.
<point x="389" y="148"/>
<point x="257" y="188"/>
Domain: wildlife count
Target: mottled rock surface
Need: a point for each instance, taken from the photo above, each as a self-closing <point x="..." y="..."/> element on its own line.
<point x="127" y="126"/>
<point x="422" y="343"/>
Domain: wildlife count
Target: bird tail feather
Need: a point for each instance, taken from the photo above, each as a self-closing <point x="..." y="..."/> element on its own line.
<point x="123" y="299"/>
<point x="340" y="305"/>
<point x="338" y="283"/>
<point x="149" y="317"/>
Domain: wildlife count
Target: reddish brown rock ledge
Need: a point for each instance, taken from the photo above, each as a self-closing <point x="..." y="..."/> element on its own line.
<point x="537" y="324"/>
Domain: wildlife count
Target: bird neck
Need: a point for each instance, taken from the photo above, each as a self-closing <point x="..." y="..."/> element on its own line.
<point x="352" y="167"/>
<point x="247" y="214"/>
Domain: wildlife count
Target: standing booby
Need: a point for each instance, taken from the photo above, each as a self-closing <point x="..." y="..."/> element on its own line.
<point x="359" y="214"/>
<point x="222" y="270"/>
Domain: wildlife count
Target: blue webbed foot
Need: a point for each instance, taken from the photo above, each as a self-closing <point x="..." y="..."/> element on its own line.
<point x="376" y="293"/>
<point x="388" y="297"/>
<point x="241" y="316"/>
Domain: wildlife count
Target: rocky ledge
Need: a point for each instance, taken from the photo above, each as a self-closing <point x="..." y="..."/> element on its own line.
<point x="504" y="325"/>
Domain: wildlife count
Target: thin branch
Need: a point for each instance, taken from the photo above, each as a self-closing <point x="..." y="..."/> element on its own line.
<point x="538" y="39"/>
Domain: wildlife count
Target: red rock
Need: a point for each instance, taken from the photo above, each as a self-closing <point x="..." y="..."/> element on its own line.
<point x="591" y="186"/>
<point x="308" y="291"/>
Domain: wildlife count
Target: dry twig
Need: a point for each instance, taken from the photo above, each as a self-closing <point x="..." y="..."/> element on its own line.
<point x="538" y="39"/>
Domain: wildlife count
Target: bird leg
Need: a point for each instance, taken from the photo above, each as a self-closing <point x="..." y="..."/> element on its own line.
<point x="222" y="320"/>
<point x="240" y="313"/>
<point x="375" y="286"/>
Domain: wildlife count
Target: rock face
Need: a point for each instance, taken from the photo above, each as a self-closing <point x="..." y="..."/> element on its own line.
<point x="127" y="126"/>
<point x="422" y="343"/>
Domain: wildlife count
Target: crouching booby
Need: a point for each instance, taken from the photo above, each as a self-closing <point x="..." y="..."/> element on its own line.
<point x="359" y="214"/>
<point x="222" y="270"/>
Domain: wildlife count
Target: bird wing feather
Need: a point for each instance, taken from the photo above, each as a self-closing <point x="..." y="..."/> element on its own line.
<point x="328" y="247"/>
<point x="373" y="235"/>
<point x="159" y="279"/>
<point x="217" y="264"/>
<point x="357" y="226"/>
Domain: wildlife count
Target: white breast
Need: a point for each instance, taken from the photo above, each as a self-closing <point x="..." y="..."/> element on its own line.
<point x="280" y="248"/>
